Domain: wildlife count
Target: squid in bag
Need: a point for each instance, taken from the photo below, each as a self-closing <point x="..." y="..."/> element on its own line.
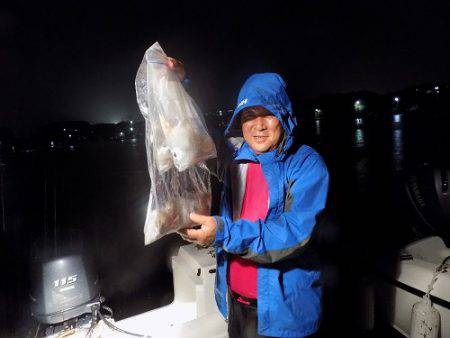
<point x="177" y="144"/>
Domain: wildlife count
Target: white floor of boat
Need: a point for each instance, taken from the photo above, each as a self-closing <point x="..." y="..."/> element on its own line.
<point x="176" y="320"/>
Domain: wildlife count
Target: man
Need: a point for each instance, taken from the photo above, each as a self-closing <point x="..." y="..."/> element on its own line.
<point x="267" y="281"/>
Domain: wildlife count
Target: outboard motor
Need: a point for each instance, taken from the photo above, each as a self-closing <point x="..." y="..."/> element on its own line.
<point x="429" y="194"/>
<point x="64" y="289"/>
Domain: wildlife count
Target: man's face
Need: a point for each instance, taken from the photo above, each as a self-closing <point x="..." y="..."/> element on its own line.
<point x="262" y="130"/>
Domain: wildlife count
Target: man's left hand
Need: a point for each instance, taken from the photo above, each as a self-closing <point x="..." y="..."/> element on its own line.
<point x="203" y="236"/>
<point x="177" y="66"/>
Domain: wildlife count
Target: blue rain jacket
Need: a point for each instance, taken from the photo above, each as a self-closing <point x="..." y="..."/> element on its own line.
<point x="289" y="283"/>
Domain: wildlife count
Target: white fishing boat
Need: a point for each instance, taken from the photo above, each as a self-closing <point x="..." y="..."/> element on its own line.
<point x="421" y="269"/>
<point x="404" y="283"/>
<point x="193" y="312"/>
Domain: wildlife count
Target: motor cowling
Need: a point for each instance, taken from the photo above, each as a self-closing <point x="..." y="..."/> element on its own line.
<point x="63" y="288"/>
<point x="429" y="193"/>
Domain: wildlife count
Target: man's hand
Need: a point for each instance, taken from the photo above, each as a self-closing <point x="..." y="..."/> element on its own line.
<point x="203" y="236"/>
<point x="177" y="66"/>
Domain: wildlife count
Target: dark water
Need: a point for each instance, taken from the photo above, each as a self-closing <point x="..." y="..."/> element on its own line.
<point x="370" y="215"/>
<point x="97" y="193"/>
<point x="100" y="191"/>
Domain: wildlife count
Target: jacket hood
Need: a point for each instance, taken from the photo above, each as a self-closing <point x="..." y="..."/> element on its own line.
<point x="269" y="91"/>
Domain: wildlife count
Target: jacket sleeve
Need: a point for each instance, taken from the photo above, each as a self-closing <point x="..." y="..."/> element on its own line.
<point x="286" y="236"/>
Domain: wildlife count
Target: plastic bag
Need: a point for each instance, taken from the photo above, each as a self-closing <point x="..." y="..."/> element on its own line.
<point x="178" y="126"/>
<point x="177" y="143"/>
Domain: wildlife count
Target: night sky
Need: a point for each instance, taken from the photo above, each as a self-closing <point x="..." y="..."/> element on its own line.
<point x="74" y="60"/>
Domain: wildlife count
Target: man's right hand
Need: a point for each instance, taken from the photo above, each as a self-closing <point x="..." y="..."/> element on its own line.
<point x="204" y="235"/>
<point x="177" y="66"/>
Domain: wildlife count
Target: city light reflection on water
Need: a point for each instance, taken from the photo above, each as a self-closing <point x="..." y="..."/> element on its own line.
<point x="361" y="160"/>
<point x="397" y="142"/>
<point x="359" y="139"/>
<point x="368" y="144"/>
<point x="397" y="149"/>
<point x="318" y="128"/>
